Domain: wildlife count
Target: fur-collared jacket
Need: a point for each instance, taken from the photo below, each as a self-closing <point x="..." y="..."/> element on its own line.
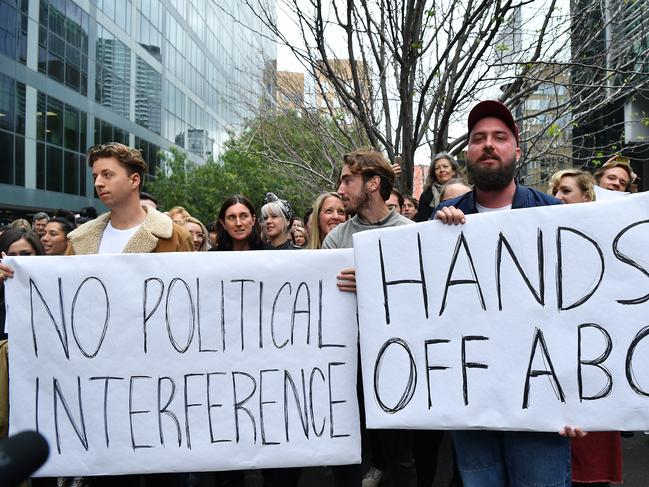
<point x="158" y="233"/>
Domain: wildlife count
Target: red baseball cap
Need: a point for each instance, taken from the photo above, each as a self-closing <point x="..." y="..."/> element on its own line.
<point x="493" y="108"/>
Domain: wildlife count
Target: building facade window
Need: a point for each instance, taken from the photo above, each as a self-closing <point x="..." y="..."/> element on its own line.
<point x="61" y="146"/>
<point x="12" y="130"/>
<point x="151" y="154"/>
<point x="202" y="71"/>
<point x="63" y="43"/>
<point x="174" y="114"/>
<point x="148" y="88"/>
<point x="13" y="29"/>
<point x="149" y="26"/>
<point x="105" y="132"/>
<point x="112" y="86"/>
<point x="119" y="11"/>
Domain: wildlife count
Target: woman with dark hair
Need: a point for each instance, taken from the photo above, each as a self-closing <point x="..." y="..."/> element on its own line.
<point x="19" y="241"/>
<point x="238" y="229"/>
<point x="443" y="168"/>
<point x="238" y="226"/>
<point x="55" y="239"/>
<point x="212" y="229"/>
<point x="15" y="242"/>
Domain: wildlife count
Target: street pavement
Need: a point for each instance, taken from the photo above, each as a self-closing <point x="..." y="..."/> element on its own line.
<point x="636" y="460"/>
<point x="635" y="456"/>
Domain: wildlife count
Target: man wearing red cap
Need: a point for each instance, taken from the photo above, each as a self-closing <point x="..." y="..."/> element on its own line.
<point x="502" y="458"/>
<point x="492" y="155"/>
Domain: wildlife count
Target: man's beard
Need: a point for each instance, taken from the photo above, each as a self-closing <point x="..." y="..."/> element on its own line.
<point x="358" y="203"/>
<point x="488" y="178"/>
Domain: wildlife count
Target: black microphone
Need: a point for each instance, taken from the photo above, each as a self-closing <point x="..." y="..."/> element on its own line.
<point x="20" y="456"/>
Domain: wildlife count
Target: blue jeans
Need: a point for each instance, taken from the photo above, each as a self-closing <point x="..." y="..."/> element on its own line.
<point x="512" y="459"/>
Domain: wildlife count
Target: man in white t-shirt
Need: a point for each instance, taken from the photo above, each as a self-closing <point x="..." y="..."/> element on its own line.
<point x="118" y="172"/>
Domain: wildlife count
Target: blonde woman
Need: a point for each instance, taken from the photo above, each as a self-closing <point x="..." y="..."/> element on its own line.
<point x="572" y="186"/>
<point x="597" y="457"/>
<point x="328" y="213"/>
<point x="178" y="214"/>
<point x="198" y="233"/>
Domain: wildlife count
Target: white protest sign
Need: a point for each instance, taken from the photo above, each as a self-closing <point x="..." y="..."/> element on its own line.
<point x="602" y="194"/>
<point x="184" y="362"/>
<point x="526" y="319"/>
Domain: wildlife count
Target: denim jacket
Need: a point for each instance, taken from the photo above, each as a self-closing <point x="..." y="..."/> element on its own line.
<point x="523" y="198"/>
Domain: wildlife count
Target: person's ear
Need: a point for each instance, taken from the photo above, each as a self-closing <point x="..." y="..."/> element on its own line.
<point x="135" y="181"/>
<point x="375" y="182"/>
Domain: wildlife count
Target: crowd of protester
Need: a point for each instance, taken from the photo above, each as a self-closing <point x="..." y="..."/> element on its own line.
<point x="239" y="226"/>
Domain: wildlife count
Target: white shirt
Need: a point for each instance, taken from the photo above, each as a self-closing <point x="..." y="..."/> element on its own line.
<point x="484" y="209"/>
<point x="113" y="240"/>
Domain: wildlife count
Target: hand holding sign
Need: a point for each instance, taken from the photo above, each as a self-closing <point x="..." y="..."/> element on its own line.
<point x="450" y="215"/>
<point x="6" y="272"/>
<point x="347" y="280"/>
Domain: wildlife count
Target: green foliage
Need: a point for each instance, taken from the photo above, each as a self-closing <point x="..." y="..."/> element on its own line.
<point x="202" y="188"/>
<point x="243" y="169"/>
<point x="179" y="181"/>
<point x="554" y="130"/>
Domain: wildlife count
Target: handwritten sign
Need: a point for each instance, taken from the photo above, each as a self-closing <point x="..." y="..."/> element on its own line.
<point x="526" y="319"/>
<point x="184" y="362"/>
<point x="602" y="194"/>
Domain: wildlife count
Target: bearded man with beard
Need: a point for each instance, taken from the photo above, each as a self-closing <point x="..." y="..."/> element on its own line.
<point x="502" y="458"/>
<point x="492" y="155"/>
<point x="366" y="181"/>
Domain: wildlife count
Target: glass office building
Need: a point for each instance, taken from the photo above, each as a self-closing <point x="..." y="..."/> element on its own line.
<point x="149" y="73"/>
